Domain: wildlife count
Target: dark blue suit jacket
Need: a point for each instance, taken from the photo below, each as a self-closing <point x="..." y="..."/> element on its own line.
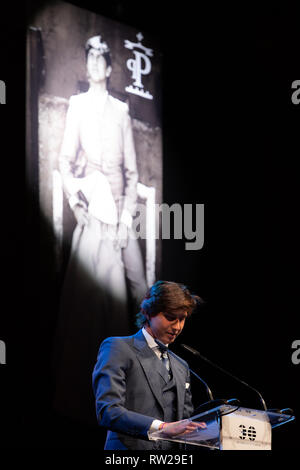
<point x="127" y="382"/>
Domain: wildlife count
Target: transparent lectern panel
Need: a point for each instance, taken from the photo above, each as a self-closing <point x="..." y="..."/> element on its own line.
<point x="277" y="417"/>
<point x="246" y="426"/>
<point x="206" y="437"/>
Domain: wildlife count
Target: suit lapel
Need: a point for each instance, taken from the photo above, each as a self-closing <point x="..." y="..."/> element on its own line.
<point x="179" y="374"/>
<point x="149" y="364"/>
<point x="162" y="370"/>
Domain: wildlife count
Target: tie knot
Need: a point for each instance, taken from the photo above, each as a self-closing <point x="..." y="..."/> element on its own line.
<point x="161" y="347"/>
<point x="164" y="353"/>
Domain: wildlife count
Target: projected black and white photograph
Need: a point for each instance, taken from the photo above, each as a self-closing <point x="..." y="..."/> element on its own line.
<point x="96" y="85"/>
<point x="149" y="263"/>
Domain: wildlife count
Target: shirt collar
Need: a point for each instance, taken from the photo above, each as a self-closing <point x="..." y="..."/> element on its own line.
<point x="99" y="98"/>
<point x="150" y="340"/>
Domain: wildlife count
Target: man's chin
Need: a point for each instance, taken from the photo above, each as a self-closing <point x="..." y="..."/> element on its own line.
<point x="170" y="338"/>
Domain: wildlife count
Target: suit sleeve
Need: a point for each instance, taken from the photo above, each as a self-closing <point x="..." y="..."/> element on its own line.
<point x="109" y="384"/>
<point x="70" y="144"/>
<point x="130" y="166"/>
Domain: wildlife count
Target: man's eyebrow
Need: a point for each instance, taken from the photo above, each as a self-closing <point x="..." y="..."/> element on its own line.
<point x="172" y="315"/>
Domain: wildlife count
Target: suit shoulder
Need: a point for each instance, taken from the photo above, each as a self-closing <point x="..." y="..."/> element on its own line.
<point x="115" y="347"/>
<point x="118" y="105"/>
<point x="77" y="101"/>
<point x="116" y="340"/>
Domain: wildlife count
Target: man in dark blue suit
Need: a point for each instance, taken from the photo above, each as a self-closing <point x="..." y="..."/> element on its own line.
<point x="139" y="388"/>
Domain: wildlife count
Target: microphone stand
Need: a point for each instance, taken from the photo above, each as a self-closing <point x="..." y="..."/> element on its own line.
<point x="212" y="403"/>
<point x="196" y="353"/>
<point x="164" y="347"/>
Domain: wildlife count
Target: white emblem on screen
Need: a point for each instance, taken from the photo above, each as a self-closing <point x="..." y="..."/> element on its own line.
<point x="140" y="65"/>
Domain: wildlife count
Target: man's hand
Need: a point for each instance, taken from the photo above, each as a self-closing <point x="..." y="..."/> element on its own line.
<point x="81" y="214"/>
<point x="122" y="235"/>
<point x="185" y="426"/>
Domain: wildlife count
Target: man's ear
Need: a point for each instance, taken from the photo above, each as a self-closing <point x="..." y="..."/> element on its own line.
<point x="108" y="71"/>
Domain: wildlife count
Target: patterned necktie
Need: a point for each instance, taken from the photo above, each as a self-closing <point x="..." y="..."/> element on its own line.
<point x="166" y="361"/>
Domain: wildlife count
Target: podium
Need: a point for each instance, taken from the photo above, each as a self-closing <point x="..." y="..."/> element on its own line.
<point x="230" y="427"/>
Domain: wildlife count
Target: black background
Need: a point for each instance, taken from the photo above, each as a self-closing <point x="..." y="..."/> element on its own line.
<point x="231" y="142"/>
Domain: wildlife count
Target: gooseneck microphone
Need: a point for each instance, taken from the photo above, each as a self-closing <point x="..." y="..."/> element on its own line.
<point x="164" y="348"/>
<point x="196" y="353"/>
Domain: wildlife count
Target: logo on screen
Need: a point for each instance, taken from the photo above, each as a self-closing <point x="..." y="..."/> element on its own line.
<point x="2" y="92"/>
<point x="2" y="352"/>
<point x="139" y="66"/>
<point x="296" y="353"/>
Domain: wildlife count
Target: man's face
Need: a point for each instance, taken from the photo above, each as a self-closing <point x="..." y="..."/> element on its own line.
<point x="96" y="66"/>
<point x="166" y="326"/>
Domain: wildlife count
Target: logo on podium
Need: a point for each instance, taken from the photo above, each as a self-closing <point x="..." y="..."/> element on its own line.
<point x="250" y="432"/>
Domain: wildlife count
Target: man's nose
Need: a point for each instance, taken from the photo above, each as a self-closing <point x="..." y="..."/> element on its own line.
<point x="177" y="325"/>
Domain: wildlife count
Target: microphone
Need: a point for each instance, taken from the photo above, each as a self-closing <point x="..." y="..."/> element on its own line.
<point x="164" y="347"/>
<point x="196" y="353"/>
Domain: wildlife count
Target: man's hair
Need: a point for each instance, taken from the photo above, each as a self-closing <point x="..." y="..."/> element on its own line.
<point x="166" y="297"/>
<point x="98" y="43"/>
